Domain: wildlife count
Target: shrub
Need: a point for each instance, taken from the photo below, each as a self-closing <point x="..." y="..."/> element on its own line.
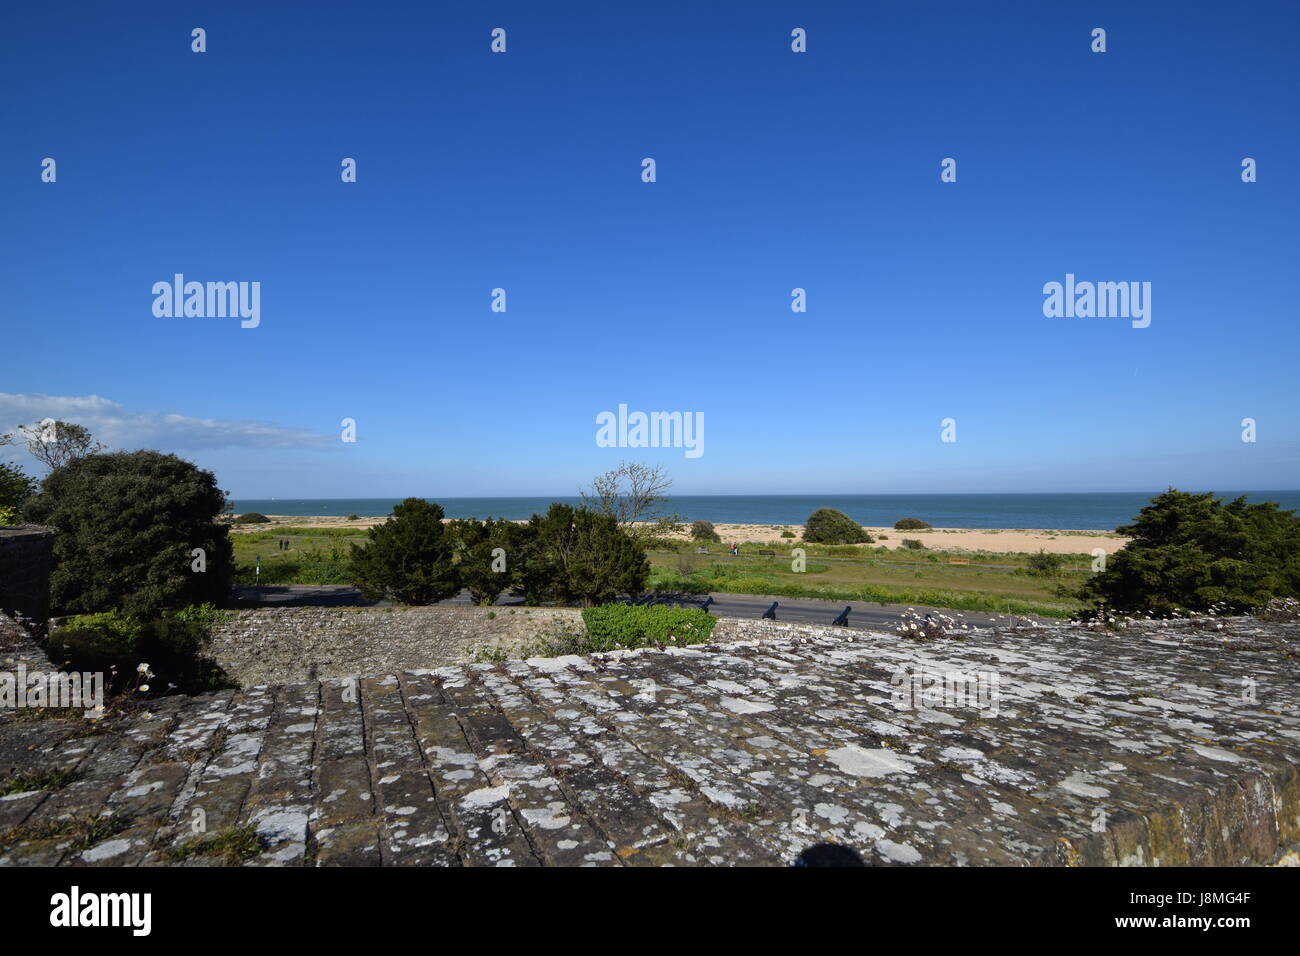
<point x="828" y="526"/>
<point x="473" y="544"/>
<point x="620" y="625"/>
<point x="575" y="554"/>
<point x="787" y="534"/>
<point x="408" y="557"/>
<point x="206" y="616"/>
<point x="1044" y="563"/>
<point x="913" y="545"/>
<point x="15" y="488"/>
<point x="703" y="531"/>
<point x="1191" y="551"/>
<point x="112" y="628"/>
<point x="116" y="644"/>
<point x="253" y="517"/>
<point x="911" y="524"/>
<point x="127" y="523"/>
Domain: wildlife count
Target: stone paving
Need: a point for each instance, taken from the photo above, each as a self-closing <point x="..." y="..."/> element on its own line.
<point x="1175" y="744"/>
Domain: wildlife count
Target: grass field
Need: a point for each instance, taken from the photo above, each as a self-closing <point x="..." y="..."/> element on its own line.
<point x="1000" y="583"/>
<point x="315" y="556"/>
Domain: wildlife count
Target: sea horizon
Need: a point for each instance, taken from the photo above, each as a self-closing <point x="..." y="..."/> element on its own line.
<point x="1074" y="511"/>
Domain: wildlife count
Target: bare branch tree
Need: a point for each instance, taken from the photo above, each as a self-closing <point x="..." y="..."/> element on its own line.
<point x="55" y="443"/>
<point x="634" y="494"/>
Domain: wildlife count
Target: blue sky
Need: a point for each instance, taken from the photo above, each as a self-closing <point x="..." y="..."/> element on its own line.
<point x="775" y="170"/>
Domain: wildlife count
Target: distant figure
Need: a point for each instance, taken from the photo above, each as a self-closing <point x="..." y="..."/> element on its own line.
<point x="828" y="854"/>
<point x="735" y="549"/>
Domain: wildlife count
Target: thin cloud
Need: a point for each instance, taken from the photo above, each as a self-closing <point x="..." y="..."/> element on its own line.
<point x="120" y="429"/>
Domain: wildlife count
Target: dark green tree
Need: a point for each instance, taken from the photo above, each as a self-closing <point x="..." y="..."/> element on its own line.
<point x="15" y="488"/>
<point x="704" y="531"/>
<point x="484" y="570"/>
<point x="129" y="523"/>
<point x="408" y="557"/>
<point x="573" y="554"/>
<point x="828" y="526"/>
<point x="1190" y="551"/>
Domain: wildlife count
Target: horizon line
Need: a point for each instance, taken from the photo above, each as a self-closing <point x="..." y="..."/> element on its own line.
<point x="777" y="494"/>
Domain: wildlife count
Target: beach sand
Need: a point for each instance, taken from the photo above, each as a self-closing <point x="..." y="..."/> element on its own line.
<point x="995" y="540"/>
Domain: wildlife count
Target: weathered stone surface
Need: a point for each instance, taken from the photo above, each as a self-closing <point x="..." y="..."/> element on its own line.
<point x="285" y="644"/>
<point x="1160" y="744"/>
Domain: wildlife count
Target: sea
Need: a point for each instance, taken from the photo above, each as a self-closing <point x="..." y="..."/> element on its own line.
<point x="1076" y="511"/>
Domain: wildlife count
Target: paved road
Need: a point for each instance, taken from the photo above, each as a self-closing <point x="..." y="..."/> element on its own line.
<point x="814" y="611"/>
<point x="796" y="610"/>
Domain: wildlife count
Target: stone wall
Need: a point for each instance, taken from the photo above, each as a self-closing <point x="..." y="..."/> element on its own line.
<point x="26" y="558"/>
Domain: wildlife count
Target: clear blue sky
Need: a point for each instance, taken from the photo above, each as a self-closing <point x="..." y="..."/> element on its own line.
<point x="776" y="170"/>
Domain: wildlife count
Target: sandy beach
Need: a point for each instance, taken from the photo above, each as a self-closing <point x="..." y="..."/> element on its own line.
<point x="993" y="540"/>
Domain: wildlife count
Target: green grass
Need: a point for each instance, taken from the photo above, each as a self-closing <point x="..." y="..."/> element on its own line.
<point x="614" y="626"/>
<point x="85" y="831"/>
<point x="315" y="556"/>
<point x="41" y="780"/>
<point x="232" y="847"/>
<point x="869" y="554"/>
<point x="936" y="584"/>
<point x="857" y="573"/>
<point x="286" y="532"/>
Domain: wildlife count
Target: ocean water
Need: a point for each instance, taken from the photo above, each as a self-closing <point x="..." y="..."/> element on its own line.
<point x="1093" y="512"/>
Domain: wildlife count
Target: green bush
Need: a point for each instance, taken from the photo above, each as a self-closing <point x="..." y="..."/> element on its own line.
<point x="913" y="545"/>
<point x="253" y="517"/>
<point x="1044" y="563"/>
<point x="353" y="518"/>
<point x="206" y="616"/>
<point x="911" y="524"/>
<point x="15" y="488"/>
<point x="408" y="557"/>
<point x="787" y="534"/>
<point x="1192" y="551"/>
<point x="704" y="531"/>
<point x="473" y="544"/>
<point x="828" y="526"/>
<point x="112" y="628"/>
<point x="128" y="523"/>
<point x="613" y="626"/>
<point x="115" y="644"/>
<point x="573" y="554"/>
